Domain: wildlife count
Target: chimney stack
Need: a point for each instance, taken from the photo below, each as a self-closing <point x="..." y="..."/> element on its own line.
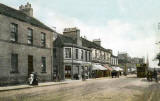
<point x="27" y="9"/>
<point x="74" y="33"/>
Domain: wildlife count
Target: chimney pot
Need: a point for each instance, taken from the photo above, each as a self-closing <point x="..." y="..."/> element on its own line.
<point x="27" y="9"/>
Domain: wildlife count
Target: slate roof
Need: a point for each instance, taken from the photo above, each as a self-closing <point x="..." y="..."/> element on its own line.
<point x="19" y="15"/>
<point x="85" y="42"/>
<point x="66" y="39"/>
<point x="89" y="44"/>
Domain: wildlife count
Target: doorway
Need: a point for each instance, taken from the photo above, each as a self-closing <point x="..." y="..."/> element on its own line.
<point x="68" y="72"/>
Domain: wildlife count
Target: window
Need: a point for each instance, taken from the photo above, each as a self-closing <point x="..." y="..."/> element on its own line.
<point x="82" y="54"/>
<point x="14" y="32"/>
<point x="67" y="52"/>
<point x="30" y="36"/>
<point x="100" y="54"/>
<point x="54" y="52"/>
<point x="104" y="56"/>
<point x="89" y="56"/>
<point x="43" y="66"/>
<point x="95" y="53"/>
<point x="86" y="55"/>
<point x="14" y="63"/>
<point x="43" y="39"/>
<point x="76" y="53"/>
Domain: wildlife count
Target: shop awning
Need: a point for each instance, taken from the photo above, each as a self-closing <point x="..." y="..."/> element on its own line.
<point x="109" y="68"/>
<point x="98" y="67"/>
<point x="117" y="68"/>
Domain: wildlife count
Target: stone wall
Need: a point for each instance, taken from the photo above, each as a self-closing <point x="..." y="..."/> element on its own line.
<point x="23" y="50"/>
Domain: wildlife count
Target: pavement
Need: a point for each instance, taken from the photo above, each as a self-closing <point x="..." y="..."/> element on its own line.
<point x="25" y="86"/>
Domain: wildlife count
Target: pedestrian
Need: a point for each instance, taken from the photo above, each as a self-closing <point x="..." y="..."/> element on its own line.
<point x="155" y="76"/>
<point x="33" y="79"/>
<point x="83" y="76"/>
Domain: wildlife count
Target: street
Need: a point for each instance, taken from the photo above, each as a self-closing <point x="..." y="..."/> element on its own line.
<point x="127" y="88"/>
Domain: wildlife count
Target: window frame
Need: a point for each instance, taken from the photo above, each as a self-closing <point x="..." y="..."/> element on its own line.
<point x="96" y="54"/>
<point x="30" y="37"/>
<point x="82" y="54"/>
<point x="43" y="39"/>
<point x="76" y="55"/>
<point x="43" y="64"/>
<point x="86" y="55"/>
<point x="89" y="57"/>
<point x="69" y="54"/>
<point x="14" y="63"/>
<point x="14" y="32"/>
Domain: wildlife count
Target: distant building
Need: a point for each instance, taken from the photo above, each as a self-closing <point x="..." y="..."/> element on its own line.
<point x="26" y="46"/>
<point x="127" y="62"/>
<point x="136" y="60"/>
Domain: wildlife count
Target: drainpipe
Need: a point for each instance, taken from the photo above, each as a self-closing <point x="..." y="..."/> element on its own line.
<point x="72" y="62"/>
<point x="51" y="43"/>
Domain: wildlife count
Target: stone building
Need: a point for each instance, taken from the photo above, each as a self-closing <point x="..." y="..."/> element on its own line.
<point x="25" y="46"/>
<point x="100" y="58"/>
<point x="100" y="55"/>
<point x="72" y="58"/>
<point x="114" y="60"/>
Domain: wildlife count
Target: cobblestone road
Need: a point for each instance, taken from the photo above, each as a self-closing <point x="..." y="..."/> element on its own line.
<point x="127" y="88"/>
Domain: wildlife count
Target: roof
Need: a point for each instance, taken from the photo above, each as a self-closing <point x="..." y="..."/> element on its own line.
<point x="90" y="44"/>
<point x="19" y="15"/>
<point x="85" y="42"/>
<point x="62" y="39"/>
<point x="66" y="39"/>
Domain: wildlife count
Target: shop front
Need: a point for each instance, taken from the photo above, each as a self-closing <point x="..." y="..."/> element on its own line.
<point x="98" y="70"/>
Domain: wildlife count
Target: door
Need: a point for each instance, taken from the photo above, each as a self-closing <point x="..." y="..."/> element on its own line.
<point x="68" y="72"/>
<point x="30" y="64"/>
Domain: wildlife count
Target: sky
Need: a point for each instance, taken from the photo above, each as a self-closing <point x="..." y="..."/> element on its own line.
<point x="122" y="25"/>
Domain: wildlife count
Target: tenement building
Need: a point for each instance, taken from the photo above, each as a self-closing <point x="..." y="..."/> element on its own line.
<point x="25" y="46"/>
<point x="71" y="59"/>
<point x="100" y="58"/>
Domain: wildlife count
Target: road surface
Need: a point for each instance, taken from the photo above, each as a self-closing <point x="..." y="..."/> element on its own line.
<point x="127" y="88"/>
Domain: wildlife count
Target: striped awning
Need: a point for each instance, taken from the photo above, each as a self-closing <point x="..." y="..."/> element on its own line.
<point x="109" y="68"/>
<point x="98" y="67"/>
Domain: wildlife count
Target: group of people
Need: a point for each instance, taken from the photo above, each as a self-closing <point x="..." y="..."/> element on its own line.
<point x="152" y="74"/>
